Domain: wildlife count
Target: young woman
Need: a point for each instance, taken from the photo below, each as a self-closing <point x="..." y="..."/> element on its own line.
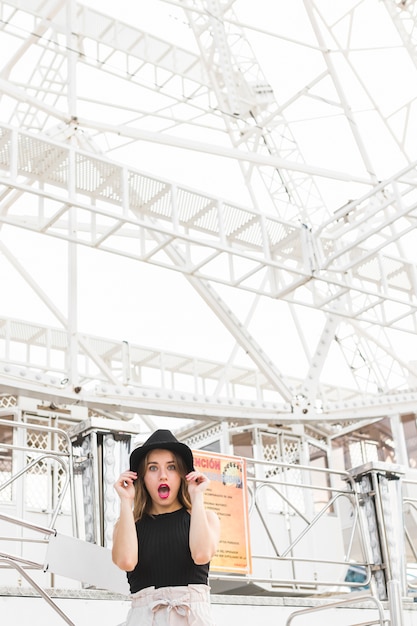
<point x="165" y="538"/>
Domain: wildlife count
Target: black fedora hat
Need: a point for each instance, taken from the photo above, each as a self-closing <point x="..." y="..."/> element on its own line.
<point x="167" y="441"/>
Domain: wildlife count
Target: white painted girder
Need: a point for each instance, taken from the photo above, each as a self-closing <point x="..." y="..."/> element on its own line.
<point x="102" y="42"/>
<point x="108" y="383"/>
<point x="330" y="266"/>
<point x="403" y="14"/>
<point x="251" y="115"/>
<point x="119" y="206"/>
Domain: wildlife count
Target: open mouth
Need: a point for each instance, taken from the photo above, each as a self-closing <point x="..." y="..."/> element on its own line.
<point x="163" y="491"/>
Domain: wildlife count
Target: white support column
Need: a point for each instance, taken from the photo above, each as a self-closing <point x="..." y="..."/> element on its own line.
<point x="398" y="436"/>
<point x="379" y="485"/>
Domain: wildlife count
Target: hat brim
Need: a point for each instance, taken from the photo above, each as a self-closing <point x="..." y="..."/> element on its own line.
<point x="181" y="449"/>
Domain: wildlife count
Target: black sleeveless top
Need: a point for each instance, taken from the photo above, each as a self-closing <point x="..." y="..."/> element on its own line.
<point x="164" y="553"/>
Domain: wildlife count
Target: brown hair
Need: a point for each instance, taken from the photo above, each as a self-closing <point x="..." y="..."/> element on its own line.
<point x="142" y="503"/>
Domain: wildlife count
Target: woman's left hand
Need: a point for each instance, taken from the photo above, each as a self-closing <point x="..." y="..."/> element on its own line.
<point x="197" y="482"/>
<point x="205" y="524"/>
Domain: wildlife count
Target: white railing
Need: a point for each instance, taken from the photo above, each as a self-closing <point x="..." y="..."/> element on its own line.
<point x="351" y="601"/>
<point x="295" y="518"/>
<point x="308" y="525"/>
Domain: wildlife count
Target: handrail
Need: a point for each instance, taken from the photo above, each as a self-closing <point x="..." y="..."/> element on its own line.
<point x="39" y="589"/>
<point x="29" y="526"/>
<point x="213" y="575"/>
<point x="412" y="503"/>
<point x="343" y="602"/>
<point x="40" y="428"/>
<point x="278" y="485"/>
<point x="69" y="468"/>
<point x="20" y="522"/>
<point x="290" y="582"/>
<point x="257" y="485"/>
<point x="17" y="559"/>
<point x="301" y="506"/>
<point x="29" y="466"/>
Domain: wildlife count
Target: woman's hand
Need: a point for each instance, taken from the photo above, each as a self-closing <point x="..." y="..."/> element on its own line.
<point x="125" y="542"/>
<point x="205" y="524"/>
<point x="124" y="485"/>
<point x="197" y="483"/>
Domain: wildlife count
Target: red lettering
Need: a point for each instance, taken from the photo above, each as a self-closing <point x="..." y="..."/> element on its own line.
<point x="213" y="464"/>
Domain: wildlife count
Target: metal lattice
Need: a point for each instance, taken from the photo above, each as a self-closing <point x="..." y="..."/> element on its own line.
<point x="272" y="169"/>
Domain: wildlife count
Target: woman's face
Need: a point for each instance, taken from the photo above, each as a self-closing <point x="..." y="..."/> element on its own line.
<point x="162" y="480"/>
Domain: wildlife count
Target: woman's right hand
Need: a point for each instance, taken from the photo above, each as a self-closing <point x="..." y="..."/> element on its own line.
<point x="124" y="485"/>
<point x="125" y="540"/>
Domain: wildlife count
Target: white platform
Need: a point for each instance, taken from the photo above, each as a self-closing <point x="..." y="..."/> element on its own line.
<point x="18" y="606"/>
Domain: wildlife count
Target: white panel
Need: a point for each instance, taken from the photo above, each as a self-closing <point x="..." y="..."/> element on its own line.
<point x="87" y="562"/>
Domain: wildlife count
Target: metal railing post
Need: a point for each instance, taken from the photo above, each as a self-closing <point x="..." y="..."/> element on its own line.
<point x="379" y="486"/>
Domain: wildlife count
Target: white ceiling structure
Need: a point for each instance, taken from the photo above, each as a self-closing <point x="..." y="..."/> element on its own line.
<point x="208" y="208"/>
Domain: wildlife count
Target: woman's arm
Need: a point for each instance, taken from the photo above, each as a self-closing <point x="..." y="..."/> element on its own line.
<point x="204" y="525"/>
<point x="125" y="541"/>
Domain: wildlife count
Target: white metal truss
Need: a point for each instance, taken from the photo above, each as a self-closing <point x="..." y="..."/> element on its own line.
<point x="335" y="241"/>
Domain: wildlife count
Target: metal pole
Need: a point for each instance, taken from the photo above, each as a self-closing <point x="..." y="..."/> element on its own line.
<point x="383" y="509"/>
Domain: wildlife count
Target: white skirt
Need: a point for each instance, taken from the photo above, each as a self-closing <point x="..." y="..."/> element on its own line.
<point x="171" y="606"/>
